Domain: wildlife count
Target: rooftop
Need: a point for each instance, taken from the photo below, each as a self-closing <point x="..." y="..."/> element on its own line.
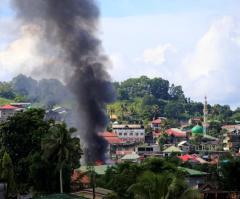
<point x="132" y="156"/>
<point x="176" y="132"/>
<point x="194" y="158"/>
<point x="193" y="172"/>
<point x="231" y="127"/>
<point x="111" y="138"/>
<point x="8" y="107"/>
<point x="158" y="120"/>
<point x="172" y="149"/>
<point x="130" y="126"/>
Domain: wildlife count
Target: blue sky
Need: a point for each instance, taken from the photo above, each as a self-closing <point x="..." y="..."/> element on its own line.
<point x="194" y="43"/>
<point x="122" y="8"/>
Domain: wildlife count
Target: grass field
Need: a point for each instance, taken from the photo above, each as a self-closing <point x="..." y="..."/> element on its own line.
<point x="4" y="101"/>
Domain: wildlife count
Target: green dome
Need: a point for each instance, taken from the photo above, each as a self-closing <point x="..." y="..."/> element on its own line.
<point x="197" y="130"/>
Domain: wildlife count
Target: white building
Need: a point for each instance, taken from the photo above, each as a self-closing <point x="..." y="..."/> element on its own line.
<point x="130" y="132"/>
<point x="148" y="149"/>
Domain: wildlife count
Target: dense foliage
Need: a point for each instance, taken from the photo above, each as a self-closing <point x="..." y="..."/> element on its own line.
<point x="24" y="137"/>
<point x="162" y="178"/>
<point x="138" y="99"/>
<point x="154" y="178"/>
<point x="142" y="99"/>
<point x="47" y="92"/>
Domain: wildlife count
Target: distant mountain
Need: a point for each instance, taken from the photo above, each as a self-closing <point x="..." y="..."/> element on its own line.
<point x="47" y="92"/>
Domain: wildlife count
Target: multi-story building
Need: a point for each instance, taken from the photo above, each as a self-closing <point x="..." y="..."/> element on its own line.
<point x="231" y="139"/>
<point x="130" y="132"/>
<point x="148" y="149"/>
<point x="156" y="124"/>
<point x="116" y="146"/>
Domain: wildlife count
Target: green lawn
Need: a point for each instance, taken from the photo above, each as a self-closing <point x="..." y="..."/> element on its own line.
<point x="4" y="101"/>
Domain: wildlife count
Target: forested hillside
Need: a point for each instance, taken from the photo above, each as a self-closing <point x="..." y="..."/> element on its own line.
<point x="46" y="92"/>
<point x="138" y="99"/>
<point x="144" y="99"/>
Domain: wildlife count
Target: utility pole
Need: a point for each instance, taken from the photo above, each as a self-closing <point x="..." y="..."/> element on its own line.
<point x="93" y="179"/>
<point x="91" y="169"/>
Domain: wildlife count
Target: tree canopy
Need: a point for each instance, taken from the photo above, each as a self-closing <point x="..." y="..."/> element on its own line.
<point x="22" y="137"/>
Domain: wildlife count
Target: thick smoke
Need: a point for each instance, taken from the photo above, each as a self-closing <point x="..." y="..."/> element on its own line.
<point x="69" y="27"/>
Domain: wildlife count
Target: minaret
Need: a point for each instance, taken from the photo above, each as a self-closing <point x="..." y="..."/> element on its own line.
<point x="205" y="114"/>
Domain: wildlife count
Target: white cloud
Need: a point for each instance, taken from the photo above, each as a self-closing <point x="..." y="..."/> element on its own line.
<point x="20" y="55"/>
<point x="214" y="67"/>
<point x="157" y="55"/>
<point x="206" y="61"/>
<point x="29" y="54"/>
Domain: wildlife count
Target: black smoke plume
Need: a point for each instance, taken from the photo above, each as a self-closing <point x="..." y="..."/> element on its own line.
<point x="70" y="28"/>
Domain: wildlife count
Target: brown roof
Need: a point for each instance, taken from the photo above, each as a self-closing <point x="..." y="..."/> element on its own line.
<point x="111" y="138"/>
<point x="158" y="121"/>
<point x="176" y="132"/>
<point x="231" y="127"/>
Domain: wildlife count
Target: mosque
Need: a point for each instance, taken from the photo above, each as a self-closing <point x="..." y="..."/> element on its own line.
<point x="198" y="129"/>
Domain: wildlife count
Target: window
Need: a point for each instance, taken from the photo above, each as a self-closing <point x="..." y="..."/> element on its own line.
<point x="120" y="134"/>
<point x="136" y="134"/>
<point x="125" y="134"/>
<point x="131" y="134"/>
<point x="142" y="134"/>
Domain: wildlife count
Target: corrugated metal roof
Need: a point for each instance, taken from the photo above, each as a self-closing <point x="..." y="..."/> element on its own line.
<point x="193" y="172"/>
<point x="172" y="149"/>
<point x="132" y="156"/>
<point x="122" y="126"/>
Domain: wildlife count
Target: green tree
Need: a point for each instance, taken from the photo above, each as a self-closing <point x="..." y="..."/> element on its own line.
<point x="60" y="147"/>
<point x="174" y="109"/>
<point x="176" y="92"/>
<point x="7" y="173"/>
<point x="162" y="140"/>
<point x="229" y="171"/>
<point x="21" y="137"/>
<point x="162" y="186"/>
<point x="6" y="90"/>
<point x="159" y="88"/>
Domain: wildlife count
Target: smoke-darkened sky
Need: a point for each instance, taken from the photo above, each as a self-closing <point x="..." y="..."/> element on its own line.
<point x="192" y="43"/>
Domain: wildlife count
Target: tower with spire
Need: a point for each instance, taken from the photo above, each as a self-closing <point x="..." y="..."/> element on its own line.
<point x="205" y="114"/>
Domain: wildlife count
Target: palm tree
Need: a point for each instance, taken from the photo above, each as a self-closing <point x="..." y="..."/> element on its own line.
<point x="179" y="189"/>
<point x="161" y="186"/>
<point x="59" y="146"/>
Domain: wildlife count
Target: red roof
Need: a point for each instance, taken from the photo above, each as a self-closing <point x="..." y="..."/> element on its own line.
<point x="111" y="138"/>
<point x="186" y="157"/>
<point x="124" y="152"/>
<point x="192" y="157"/>
<point x="8" y="107"/>
<point x="176" y="132"/>
<point x="108" y="134"/>
<point x="157" y="121"/>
